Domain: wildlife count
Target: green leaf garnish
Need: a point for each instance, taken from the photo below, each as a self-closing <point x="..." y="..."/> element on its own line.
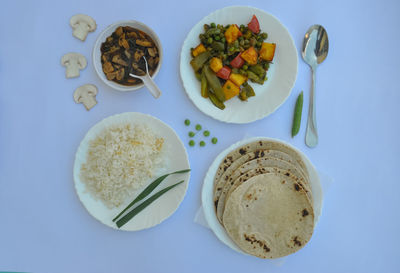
<point x="148" y="190"/>
<point x="143" y="205"/>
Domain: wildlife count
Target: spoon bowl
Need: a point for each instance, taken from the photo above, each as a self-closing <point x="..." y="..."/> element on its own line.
<point x="315" y="50"/>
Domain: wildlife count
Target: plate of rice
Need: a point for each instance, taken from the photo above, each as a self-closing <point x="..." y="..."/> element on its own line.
<point x="119" y="157"/>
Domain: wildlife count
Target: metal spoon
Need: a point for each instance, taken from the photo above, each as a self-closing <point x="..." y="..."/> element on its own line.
<point x="148" y="82"/>
<point x="315" y="50"/>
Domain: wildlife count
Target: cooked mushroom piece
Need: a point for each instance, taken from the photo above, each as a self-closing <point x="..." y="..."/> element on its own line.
<point x="86" y="94"/>
<point x="82" y="24"/>
<point x="73" y="62"/>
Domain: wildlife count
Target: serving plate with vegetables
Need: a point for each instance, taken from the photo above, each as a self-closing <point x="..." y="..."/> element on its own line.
<point x="238" y="64"/>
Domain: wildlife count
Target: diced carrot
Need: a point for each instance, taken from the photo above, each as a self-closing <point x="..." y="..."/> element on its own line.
<point x="224" y="72"/>
<point x="237" y="62"/>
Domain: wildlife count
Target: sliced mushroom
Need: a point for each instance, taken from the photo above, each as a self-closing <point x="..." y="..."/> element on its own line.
<point x="82" y="24"/>
<point x="86" y="94"/>
<point x="107" y="67"/>
<point x="152" y="51"/>
<point x="138" y="54"/>
<point x="117" y="59"/>
<point x="144" y="43"/>
<point x="73" y="62"/>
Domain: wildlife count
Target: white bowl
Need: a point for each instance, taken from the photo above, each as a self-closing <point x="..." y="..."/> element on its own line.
<point x="96" y="54"/>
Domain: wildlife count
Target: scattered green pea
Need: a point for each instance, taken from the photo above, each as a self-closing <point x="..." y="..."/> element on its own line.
<point x="187" y="122"/>
<point x="214" y="140"/>
<point x="202" y="143"/>
<point x="206" y="133"/>
<point x="192" y="143"/>
<point x="198" y="127"/>
<point x="191" y="134"/>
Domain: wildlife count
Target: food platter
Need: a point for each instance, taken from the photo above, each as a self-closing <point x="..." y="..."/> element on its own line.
<point x="208" y="190"/>
<point x="160" y="209"/>
<point x="281" y="75"/>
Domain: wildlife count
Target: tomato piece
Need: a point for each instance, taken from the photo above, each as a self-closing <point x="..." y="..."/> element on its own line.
<point x="224" y="72"/>
<point x="254" y="25"/>
<point x="237" y="62"/>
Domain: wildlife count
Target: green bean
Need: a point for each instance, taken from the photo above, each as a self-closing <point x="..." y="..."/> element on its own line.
<point x="198" y="61"/>
<point x="143" y="205"/>
<point x="148" y="190"/>
<point x="204" y="85"/>
<point x="249" y="91"/>
<point x="257" y="69"/>
<point x="214" y="83"/>
<point x="216" y="101"/>
<point x="297" y="114"/>
<point x="218" y="46"/>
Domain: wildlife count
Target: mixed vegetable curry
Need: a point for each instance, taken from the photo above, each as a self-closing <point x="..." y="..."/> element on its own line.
<point x="229" y="56"/>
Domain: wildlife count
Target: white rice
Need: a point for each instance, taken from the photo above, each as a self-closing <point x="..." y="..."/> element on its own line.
<point x="120" y="160"/>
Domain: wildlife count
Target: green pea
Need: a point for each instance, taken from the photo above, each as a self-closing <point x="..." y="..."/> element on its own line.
<point x="206" y="133"/>
<point x="198" y="127"/>
<point x="258" y="44"/>
<point x="245" y="67"/>
<point x="210" y="40"/>
<point x="192" y="143"/>
<point x="217" y="38"/>
<point x="202" y="143"/>
<point x="214" y="140"/>
<point x="212" y="25"/>
<point x="264" y="35"/>
<point x="223" y="39"/>
<point x="191" y="134"/>
<point x="187" y="122"/>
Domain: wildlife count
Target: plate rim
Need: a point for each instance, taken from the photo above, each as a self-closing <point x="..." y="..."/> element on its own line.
<point x="76" y="169"/>
<point x="261" y="116"/>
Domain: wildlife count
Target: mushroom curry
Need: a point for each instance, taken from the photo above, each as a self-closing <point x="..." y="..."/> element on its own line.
<point x="122" y="54"/>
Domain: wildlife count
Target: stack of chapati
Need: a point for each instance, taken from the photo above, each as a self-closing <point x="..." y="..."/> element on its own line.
<point x="263" y="198"/>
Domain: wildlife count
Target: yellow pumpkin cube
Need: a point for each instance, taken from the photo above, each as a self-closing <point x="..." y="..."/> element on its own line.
<point x="232" y="33"/>
<point x="230" y="89"/>
<point x="237" y="79"/>
<point x="267" y="51"/>
<point x="199" y="49"/>
<point x="250" y="55"/>
<point x="215" y="64"/>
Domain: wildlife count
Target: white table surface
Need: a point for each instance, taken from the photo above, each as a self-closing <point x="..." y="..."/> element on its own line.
<point x="43" y="226"/>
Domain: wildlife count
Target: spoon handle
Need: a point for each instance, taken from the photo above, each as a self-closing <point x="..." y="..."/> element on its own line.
<point x="151" y="85"/>
<point x="311" y="133"/>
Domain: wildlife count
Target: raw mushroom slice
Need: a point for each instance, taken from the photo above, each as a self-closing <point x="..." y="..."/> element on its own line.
<point x="73" y="62"/>
<point x="82" y="24"/>
<point x="86" y="94"/>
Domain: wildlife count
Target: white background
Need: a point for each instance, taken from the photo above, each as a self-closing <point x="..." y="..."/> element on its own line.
<point x="43" y="226"/>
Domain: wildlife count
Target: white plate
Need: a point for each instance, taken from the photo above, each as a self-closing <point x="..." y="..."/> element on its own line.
<point x="163" y="207"/>
<point x="281" y="75"/>
<point x="208" y="190"/>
